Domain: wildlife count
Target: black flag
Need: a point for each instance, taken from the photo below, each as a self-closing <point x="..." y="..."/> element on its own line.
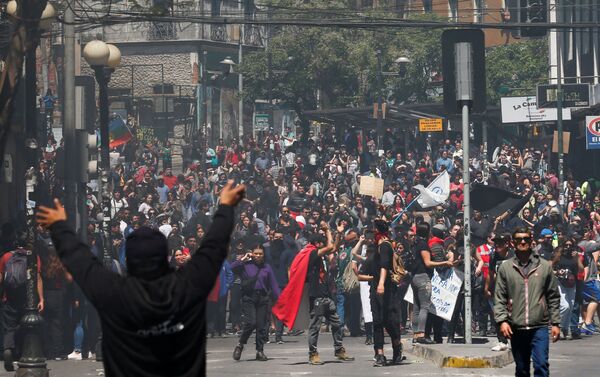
<point x="494" y="201"/>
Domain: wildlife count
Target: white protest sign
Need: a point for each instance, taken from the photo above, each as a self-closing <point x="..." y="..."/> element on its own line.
<point x="409" y="296"/>
<point x="445" y="288"/>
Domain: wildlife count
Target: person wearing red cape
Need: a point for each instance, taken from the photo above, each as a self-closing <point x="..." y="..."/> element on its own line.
<point x="311" y="266"/>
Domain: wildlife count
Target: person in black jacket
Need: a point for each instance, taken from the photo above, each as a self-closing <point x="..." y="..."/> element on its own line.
<point x="152" y="320"/>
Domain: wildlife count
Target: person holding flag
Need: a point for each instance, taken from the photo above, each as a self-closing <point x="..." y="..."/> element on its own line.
<point x="435" y="194"/>
<point x="310" y="265"/>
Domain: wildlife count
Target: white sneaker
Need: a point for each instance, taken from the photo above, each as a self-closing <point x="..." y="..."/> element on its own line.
<point x="74" y="356"/>
<point x="500" y="347"/>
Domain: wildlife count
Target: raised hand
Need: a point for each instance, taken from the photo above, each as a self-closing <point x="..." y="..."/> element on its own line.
<point x="47" y="216"/>
<point x="230" y="195"/>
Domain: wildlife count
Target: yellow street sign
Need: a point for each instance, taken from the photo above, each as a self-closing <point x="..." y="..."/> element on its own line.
<point x="431" y="125"/>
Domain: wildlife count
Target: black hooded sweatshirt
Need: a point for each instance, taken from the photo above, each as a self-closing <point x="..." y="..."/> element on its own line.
<point x="150" y="327"/>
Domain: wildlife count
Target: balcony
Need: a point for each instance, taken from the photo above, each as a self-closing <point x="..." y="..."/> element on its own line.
<point x="162" y="31"/>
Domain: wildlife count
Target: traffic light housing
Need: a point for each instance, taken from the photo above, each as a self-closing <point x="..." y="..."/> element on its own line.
<point x="532" y="12"/>
<point x="450" y="39"/>
<point x="88" y="156"/>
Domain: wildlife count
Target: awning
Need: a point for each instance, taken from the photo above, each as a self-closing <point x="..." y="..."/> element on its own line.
<point x="396" y="116"/>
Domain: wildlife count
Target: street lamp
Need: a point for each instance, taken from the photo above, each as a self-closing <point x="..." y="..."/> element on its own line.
<point x="402" y="66"/>
<point x="402" y="63"/>
<point x="32" y="361"/>
<point x="228" y="63"/>
<point x="103" y="58"/>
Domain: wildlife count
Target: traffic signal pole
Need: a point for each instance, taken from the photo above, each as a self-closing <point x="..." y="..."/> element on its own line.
<point x="559" y="120"/>
<point x="464" y="96"/>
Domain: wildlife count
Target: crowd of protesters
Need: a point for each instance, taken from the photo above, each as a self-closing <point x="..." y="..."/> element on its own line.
<point x="299" y="186"/>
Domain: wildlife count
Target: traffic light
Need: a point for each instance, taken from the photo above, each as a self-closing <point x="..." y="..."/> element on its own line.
<point x="450" y="40"/>
<point x="88" y="156"/>
<point x="532" y="12"/>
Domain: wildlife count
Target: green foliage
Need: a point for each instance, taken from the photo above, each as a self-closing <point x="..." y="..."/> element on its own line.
<point x="518" y="66"/>
<point x="341" y="64"/>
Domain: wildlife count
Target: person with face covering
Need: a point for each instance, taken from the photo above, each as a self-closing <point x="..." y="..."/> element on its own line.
<point x="153" y="319"/>
<point x="258" y="283"/>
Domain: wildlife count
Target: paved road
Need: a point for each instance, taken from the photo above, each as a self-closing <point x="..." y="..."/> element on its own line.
<point x="567" y="358"/>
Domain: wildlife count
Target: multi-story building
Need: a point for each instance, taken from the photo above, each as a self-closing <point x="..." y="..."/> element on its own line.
<point x="160" y="76"/>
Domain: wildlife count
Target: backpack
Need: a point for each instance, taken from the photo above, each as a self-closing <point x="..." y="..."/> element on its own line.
<point x="397" y="272"/>
<point x="15" y="274"/>
<point x="350" y="280"/>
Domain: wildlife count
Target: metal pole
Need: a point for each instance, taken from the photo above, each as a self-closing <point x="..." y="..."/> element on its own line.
<point x="467" y="221"/>
<point x="68" y="110"/>
<point x="379" y="105"/>
<point x="486" y="166"/>
<point x="270" y="68"/>
<point x="559" y="119"/>
<point x="240" y="87"/>
<point x="204" y="101"/>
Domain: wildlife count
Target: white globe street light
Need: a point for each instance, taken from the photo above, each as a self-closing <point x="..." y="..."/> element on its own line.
<point x="46" y="19"/>
<point x="96" y="53"/>
<point x="114" y="57"/>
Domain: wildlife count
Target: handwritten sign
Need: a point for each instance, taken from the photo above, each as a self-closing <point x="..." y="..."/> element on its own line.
<point x="145" y="135"/>
<point x="430" y="125"/>
<point x="445" y="288"/>
<point x="371" y="186"/>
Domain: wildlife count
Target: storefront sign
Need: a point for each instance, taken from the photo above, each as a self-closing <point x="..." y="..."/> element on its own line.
<point x="592" y="132"/>
<point x="525" y="110"/>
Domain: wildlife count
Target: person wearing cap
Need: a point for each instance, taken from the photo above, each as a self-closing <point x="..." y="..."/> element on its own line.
<point x="146" y="313"/>
<point x="545" y="249"/>
<point x="502" y="251"/>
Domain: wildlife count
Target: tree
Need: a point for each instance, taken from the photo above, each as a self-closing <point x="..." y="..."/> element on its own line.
<point x="516" y="68"/>
<point x="341" y="65"/>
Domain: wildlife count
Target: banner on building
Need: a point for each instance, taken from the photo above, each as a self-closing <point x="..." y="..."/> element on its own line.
<point x="525" y="110"/>
<point x="592" y="132"/>
<point x="371" y="186"/>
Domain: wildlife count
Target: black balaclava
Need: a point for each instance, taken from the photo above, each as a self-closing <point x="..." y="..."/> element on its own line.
<point x="147" y="252"/>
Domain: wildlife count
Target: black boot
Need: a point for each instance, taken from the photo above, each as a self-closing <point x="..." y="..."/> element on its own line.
<point x="237" y="352"/>
<point x="260" y="356"/>
<point x="8" y="360"/>
<point x="380" y="361"/>
<point x="397" y="358"/>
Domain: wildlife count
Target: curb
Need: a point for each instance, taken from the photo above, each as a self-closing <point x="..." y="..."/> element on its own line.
<point x="443" y="360"/>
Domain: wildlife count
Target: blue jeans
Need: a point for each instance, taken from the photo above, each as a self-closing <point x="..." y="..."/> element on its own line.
<point x="340" y="300"/>
<point x="567" y="302"/>
<point x="531" y="344"/>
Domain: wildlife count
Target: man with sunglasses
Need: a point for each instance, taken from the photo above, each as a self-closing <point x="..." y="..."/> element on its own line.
<point x="526" y="300"/>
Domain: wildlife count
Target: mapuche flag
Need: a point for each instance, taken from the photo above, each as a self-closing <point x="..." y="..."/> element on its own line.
<point x="119" y="133"/>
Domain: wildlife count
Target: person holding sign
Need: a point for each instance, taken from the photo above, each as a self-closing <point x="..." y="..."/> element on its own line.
<point x="525" y="301"/>
<point x="421" y="282"/>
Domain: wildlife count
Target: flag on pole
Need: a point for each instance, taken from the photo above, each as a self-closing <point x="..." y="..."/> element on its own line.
<point x="119" y="133"/>
<point x="436" y="193"/>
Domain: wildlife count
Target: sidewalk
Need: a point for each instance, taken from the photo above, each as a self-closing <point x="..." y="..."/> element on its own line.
<point x="456" y="355"/>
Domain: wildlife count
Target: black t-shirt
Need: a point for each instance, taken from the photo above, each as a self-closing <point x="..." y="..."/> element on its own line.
<point x="546" y="251"/>
<point x="420" y="267"/>
<point x="497" y="259"/>
<point x="379" y="260"/>
<point x="566" y="270"/>
<point x="317" y="276"/>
